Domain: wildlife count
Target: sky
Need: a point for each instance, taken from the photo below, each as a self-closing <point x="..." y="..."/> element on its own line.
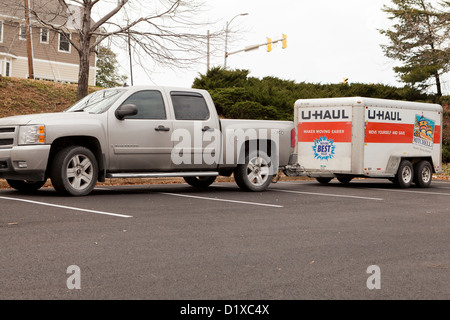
<point x="327" y="41"/>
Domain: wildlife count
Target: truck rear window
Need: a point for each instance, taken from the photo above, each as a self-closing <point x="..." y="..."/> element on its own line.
<point x="189" y="106"/>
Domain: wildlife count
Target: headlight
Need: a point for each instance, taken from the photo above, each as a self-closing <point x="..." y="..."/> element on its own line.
<point x="33" y="134"/>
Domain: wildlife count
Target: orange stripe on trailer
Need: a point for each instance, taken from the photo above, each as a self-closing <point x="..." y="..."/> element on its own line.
<point x="337" y="131"/>
<point x="380" y="132"/>
<point x="437" y="134"/>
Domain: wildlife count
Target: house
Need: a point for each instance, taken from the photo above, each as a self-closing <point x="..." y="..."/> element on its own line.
<point x="53" y="56"/>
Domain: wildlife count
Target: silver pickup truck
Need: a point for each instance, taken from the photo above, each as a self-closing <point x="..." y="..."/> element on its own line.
<point x="141" y="132"/>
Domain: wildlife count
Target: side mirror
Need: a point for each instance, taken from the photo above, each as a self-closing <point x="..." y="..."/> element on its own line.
<point x="126" y="110"/>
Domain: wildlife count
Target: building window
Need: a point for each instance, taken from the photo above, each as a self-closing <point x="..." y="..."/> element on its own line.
<point x="23" y="32"/>
<point x="7" y="69"/>
<point x="44" y="35"/>
<point x="64" y="44"/>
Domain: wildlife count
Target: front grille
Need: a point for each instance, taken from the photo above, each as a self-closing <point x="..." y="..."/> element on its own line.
<point x="6" y="142"/>
<point x="7" y="136"/>
<point x="7" y="130"/>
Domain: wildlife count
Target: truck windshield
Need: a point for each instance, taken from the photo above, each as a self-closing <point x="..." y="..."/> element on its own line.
<point x="97" y="102"/>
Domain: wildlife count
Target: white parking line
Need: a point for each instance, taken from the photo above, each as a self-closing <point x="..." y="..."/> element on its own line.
<point x="68" y="208"/>
<point x="326" y="194"/>
<point x="224" y="200"/>
<point x="412" y="191"/>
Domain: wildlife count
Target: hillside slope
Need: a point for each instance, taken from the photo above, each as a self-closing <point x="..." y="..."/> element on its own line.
<point x="22" y="96"/>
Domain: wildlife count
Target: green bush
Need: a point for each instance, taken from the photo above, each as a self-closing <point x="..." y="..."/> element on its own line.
<point x="252" y="110"/>
<point x="446" y="153"/>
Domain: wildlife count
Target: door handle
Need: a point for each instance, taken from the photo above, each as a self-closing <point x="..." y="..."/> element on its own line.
<point x="162" y="128"/>
<point x="206" y="128"/>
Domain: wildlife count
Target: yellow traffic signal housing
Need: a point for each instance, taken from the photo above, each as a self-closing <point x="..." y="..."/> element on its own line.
<point x="284" y="41"/>
<point x="269" y="44"/>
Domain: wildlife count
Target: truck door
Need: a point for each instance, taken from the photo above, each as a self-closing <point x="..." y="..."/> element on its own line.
<point x="142" y="142"/>
<point x="196" y="132"/>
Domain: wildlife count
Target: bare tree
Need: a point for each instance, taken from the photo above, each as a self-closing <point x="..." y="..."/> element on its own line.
<point x="167" y="31"/>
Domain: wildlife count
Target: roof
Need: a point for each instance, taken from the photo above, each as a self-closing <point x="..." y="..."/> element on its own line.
<point x="366" y="102"/>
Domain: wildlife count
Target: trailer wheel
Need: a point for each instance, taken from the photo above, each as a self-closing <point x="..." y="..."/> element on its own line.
<point x="405" y="174"/>
<point x="25" y="186"/>
<point x="254" y="174"/>
<point x="423" y="173"/>
<point x="345" y="180"/>
<point x="74" y="171"/>
<point x="200" y="182"/>
<point x="323" y="180"/>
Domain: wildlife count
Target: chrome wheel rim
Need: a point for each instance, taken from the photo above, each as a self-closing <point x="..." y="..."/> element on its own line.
<point x="258" y="171"/>
<point x="426" y="174"/>
<point x="80" y="172"/>
<point x="407" y="174"/>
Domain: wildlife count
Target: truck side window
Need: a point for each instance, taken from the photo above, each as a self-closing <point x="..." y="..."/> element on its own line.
<point x="150" y="105"/>
<point x="189" y="106"/>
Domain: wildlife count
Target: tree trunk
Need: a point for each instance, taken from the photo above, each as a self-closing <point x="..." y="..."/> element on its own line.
<point x="438" y="85"/>
<point x="83" y="76"/>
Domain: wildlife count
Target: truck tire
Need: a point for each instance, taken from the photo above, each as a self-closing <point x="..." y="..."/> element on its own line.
<point x="200" y="182"/>
<point x="25" y="186"/>
<point x="74" y="171"/>
<point x="405" y="174"/>
<point x="323" y="180"/>
<point x="254" y="174"/>
<point x="423" y="174"/>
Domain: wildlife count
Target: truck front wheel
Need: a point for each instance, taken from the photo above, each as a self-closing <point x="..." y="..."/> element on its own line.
<point x="254" y="174"/>
<point x="74" y="171"/>
<point x="405" y="174"/>
<point x="423" y="173"/>
<point x="25" y="186"/>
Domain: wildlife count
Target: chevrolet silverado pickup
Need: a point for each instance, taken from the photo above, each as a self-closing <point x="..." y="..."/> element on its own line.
<point x="141" y="132"/>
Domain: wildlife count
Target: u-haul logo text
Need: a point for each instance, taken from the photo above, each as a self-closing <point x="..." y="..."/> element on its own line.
<point x="384" y="115"/>
<point x="335" y="114"/>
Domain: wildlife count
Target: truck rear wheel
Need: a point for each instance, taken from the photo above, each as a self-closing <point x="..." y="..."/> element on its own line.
<point x="200" y="182"/>
<point x="254" y="174"/>
<point x="74" y="171"/>
<point x="25" y="186"/>
<point x="323" y="180"/>
<point x="423" y="174"/>
<point x="405" y="174"/>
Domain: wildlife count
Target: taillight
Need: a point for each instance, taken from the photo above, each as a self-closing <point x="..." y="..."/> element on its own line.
<point x="293" y="140"/>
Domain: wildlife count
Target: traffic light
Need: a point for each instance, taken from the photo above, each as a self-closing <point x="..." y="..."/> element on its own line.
<point x="284" y="41"/>
<point x="269" y="44"/>
<point x="346" y="81"/>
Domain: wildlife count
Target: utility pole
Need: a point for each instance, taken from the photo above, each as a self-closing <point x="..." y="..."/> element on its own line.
<point x="29" y="44"/>
<point x="227" y="30"/>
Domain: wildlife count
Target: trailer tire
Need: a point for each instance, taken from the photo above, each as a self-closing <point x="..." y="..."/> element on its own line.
<point x="74" y="171"/>
<point x="254" y="174"/>
<point x="405" y="174"/>
<point x="200" y="182"/>
<point x="423" y="173"/>
<point x="345" y="180"/>
<point x="323" y="180"/>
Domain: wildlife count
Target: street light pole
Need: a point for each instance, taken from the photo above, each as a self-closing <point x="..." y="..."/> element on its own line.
<point x="227" y="30"/>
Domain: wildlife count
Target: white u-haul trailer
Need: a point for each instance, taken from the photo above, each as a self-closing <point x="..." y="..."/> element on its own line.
<point x="345" y="138"/>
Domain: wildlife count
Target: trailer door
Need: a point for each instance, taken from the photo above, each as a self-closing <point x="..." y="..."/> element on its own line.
<point x="325" y="138"/>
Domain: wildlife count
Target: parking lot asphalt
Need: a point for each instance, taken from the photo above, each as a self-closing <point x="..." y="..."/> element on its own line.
<point x="299" y="240"/>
